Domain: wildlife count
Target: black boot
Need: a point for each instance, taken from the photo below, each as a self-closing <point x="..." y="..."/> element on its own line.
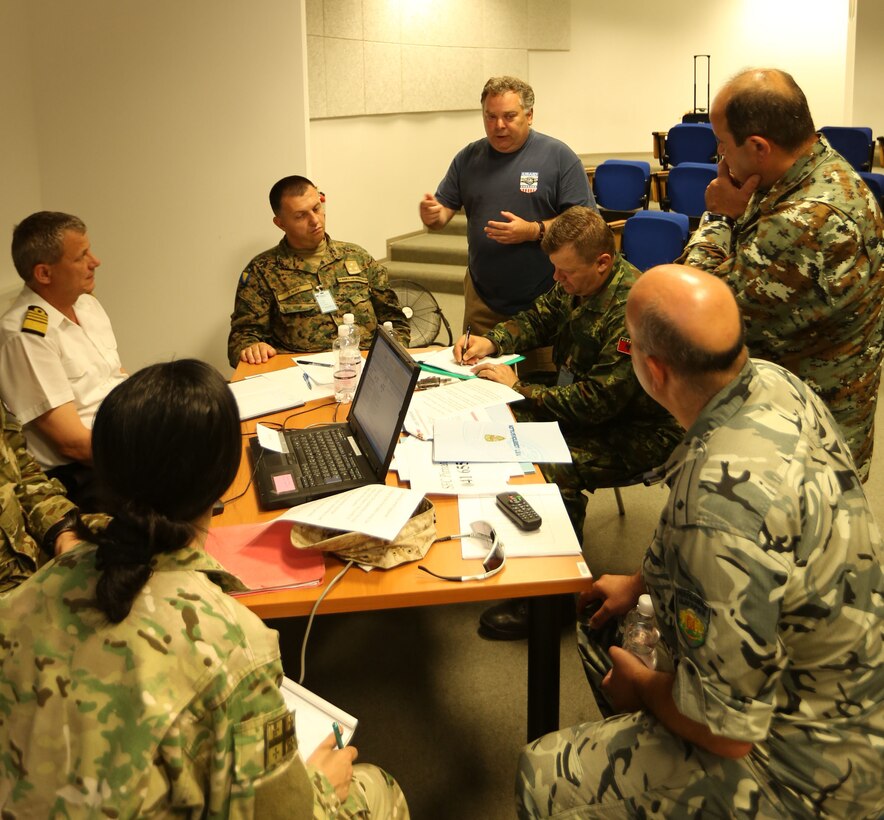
<point x="506" y="621"/>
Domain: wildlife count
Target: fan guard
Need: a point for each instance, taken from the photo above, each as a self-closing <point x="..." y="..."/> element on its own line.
<point x="422" y="311"/>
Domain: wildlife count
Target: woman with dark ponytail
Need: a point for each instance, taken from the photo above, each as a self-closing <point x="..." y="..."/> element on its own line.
<point x="131" y="684"/>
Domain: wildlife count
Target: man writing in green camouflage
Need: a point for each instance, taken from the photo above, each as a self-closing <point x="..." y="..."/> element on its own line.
<point x="613" y="429"/>
<point x="36" y="519"/>
<point x="798" y="236"/>
<point x="765" y="574"/>
<point x="293" y="296"/>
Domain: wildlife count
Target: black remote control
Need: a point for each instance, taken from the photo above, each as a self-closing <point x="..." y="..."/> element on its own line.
<point x="519" y="510"/>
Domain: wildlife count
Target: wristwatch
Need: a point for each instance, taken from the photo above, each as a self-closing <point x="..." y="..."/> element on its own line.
<point x="709" y="216"/>
<point x="542" y="230"/>
<point x="67" y="522"/>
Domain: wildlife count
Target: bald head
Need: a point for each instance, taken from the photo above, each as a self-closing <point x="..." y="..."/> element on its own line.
<point x="766" y="102"/>
<point x="687" y="319"/>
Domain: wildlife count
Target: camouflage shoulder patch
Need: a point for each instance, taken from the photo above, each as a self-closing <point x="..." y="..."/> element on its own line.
<point x="692" y="615"/>
<point x="624" y="345"/>
<point x="353" y="266"/>
<point x="36" y="321"/>
<point x="279" y="740"/>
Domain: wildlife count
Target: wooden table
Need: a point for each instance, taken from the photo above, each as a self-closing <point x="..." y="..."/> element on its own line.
<point x="405" y="586"/>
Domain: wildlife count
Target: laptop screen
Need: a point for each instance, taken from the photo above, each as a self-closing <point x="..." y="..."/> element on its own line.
<point x="382" y="398"/>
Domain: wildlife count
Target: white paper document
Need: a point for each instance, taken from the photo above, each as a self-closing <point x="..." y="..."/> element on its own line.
<point x="444" y="360"/>
<point x="319" y="366"/>
<point x="314" y="717"/>
<point x="427" y="406"/>
<point x="270" y="392"/>
<point x="375" y="509"/>
<point x="414" y="463"/>
<point x="555" y="536"/>
<point x="462" y="439"/>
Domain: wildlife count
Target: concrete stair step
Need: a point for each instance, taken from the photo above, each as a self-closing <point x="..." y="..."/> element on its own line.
<point x="435" y="277"/>
<point x="437" y="248"/>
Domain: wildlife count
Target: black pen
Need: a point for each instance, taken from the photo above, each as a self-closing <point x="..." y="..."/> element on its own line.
<point x="466" y="345"/>
<point x="313" y="364"/>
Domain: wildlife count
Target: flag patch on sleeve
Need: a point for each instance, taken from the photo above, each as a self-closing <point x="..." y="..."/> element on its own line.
<point x="624" y="345"/>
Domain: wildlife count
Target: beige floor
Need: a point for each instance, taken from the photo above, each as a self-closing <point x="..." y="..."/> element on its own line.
<point x="444" y="710"/>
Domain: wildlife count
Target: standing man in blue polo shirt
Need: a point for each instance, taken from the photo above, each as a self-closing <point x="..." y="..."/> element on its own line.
<point x="511" y="184"/>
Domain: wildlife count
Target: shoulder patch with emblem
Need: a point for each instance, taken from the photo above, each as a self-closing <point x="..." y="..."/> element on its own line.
<point x="624" y="345"/>
<point x="279" y="740"/>
<point x="36" y="321"/>
<point x="692" y="615"/>
<point x="352" y="266"/>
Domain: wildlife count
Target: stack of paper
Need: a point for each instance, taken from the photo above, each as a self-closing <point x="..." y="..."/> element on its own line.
<point x="314" y="717"/>
<point x="270" y="392"/>
<point x="462" y="439"/>
<point x="443" y="362"/>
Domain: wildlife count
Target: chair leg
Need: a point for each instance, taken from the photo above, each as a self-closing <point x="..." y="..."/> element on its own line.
<point x="619" y="498"/>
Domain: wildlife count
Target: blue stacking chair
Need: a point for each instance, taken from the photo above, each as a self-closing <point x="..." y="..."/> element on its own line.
<point x="689" y="142"/>
<point x="622" y="187"/>
<point x="876" y="185"/>
<point x="686" y="189"/>
<point x="855" y="144"/>
<point x="654" y="238"/>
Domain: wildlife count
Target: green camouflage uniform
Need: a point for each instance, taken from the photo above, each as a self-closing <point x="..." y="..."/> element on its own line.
<point x="765" y="571"/>
<point x="176" y="710"/>
<point x="613" y="428"/>
<point x="30" y="503"/>
<point x="275" y="302"/>
<point x="804" y="261"/>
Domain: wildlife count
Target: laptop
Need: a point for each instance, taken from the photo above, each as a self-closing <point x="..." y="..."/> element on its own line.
<point x="321" y="461"/>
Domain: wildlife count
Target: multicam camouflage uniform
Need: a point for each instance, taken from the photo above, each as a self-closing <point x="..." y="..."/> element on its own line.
<point x="805" y="263"/>
<point x="766" y="576"/>
<point x="30" y="503"/>
<point x="275" y="299"/>
<point x="176" y="710"/>
<point x="613" y="428"/>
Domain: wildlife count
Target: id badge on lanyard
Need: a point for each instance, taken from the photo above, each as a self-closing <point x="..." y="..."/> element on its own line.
<point x="324" y="300"/>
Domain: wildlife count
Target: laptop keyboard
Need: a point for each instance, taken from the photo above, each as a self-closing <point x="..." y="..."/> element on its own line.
<point x="323" y="457"/>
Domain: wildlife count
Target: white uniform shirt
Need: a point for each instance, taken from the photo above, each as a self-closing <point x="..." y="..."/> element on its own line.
<point x="72" y="362"/>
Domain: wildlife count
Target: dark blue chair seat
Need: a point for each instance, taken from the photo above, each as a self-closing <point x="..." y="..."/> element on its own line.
<point x="621" y="187"/>
<point x="654" y="238"/>
<point x="854" y="143"/>
<point x="689" y="142"/>
<point x="876" y="185"/>
<point x="686" y="189"/>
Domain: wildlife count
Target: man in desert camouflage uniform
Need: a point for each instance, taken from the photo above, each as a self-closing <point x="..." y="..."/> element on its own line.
<point x="613" y="429"/>
<point x="765" y="573"/>
<point x="798" y="236"/>
<point x="36" y="519"/>
<point x="293" y="296"/>
<point x="224" y="749"/>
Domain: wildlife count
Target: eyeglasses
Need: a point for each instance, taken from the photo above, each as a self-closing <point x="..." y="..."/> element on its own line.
<point x="493" y="562"/>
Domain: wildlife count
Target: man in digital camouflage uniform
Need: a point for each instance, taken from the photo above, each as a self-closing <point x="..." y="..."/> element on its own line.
<point x="613" y="429"/>
<point x="293" y="296"/>
<point x="36" y="519"/>
<point x="798" y="236"/>
<point x="225" y="748"/>
<point x="765" y="573"/>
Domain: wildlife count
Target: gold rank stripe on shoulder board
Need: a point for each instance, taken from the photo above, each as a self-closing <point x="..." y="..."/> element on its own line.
<point x="36" y="321"/>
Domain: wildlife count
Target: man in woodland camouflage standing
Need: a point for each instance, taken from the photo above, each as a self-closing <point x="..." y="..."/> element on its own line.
<point x="798" y="236"/>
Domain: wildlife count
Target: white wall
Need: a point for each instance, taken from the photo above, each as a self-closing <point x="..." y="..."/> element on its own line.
<point x="163" y="125"/>
<point x="628" y="73"/>
<point x="868" y="88"/>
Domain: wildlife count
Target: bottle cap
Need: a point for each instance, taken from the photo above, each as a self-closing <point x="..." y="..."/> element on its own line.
<point x="349" y="319"/>
<point x="645" y="605"/>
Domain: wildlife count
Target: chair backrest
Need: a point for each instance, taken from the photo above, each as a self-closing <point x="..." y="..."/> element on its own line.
<point x="622" y="185"/>
<point x="689" y="142"/>
<point x="654" y="238"/>
<point x="686" y="187"/>
<point x="876" y="185"/>
<point x="854" y="143"/>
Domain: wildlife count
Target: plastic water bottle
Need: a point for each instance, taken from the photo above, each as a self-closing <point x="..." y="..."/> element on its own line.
<point x="388" y="326"/>
<point x="640" y="633"/>
<point x="352" y="357"/>
<point x="348" y="360"/>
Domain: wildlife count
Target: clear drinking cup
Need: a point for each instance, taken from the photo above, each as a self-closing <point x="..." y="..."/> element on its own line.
<point x="345" y="385"/>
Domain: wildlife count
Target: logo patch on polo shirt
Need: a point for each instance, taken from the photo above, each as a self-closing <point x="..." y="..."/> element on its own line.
<point x="624" y="345"/>
<point x="692" y="614"/>
<point x="36" y="321"/>
<point x="528" y="182"/>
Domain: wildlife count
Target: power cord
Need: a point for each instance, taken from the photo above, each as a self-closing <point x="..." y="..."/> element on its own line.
<point x="319" y="600"/>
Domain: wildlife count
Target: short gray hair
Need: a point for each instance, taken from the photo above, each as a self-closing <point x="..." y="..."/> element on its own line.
<point x="39" y="240"/>
<point x="505" y="83"/>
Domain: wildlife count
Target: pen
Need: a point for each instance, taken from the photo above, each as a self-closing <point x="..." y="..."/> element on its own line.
<point x="338" y="737"/>
<point x="307" y="380"/>
<point x="466" y="344"/>
<point x="313" y="364"/>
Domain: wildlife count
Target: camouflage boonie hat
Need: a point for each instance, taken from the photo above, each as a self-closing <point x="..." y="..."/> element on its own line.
<point x="411" y="544"/>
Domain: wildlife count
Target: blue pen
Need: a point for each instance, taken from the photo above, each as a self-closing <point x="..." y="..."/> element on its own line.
<point x="307" y="379"/>
<point x="339" y="738"/>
